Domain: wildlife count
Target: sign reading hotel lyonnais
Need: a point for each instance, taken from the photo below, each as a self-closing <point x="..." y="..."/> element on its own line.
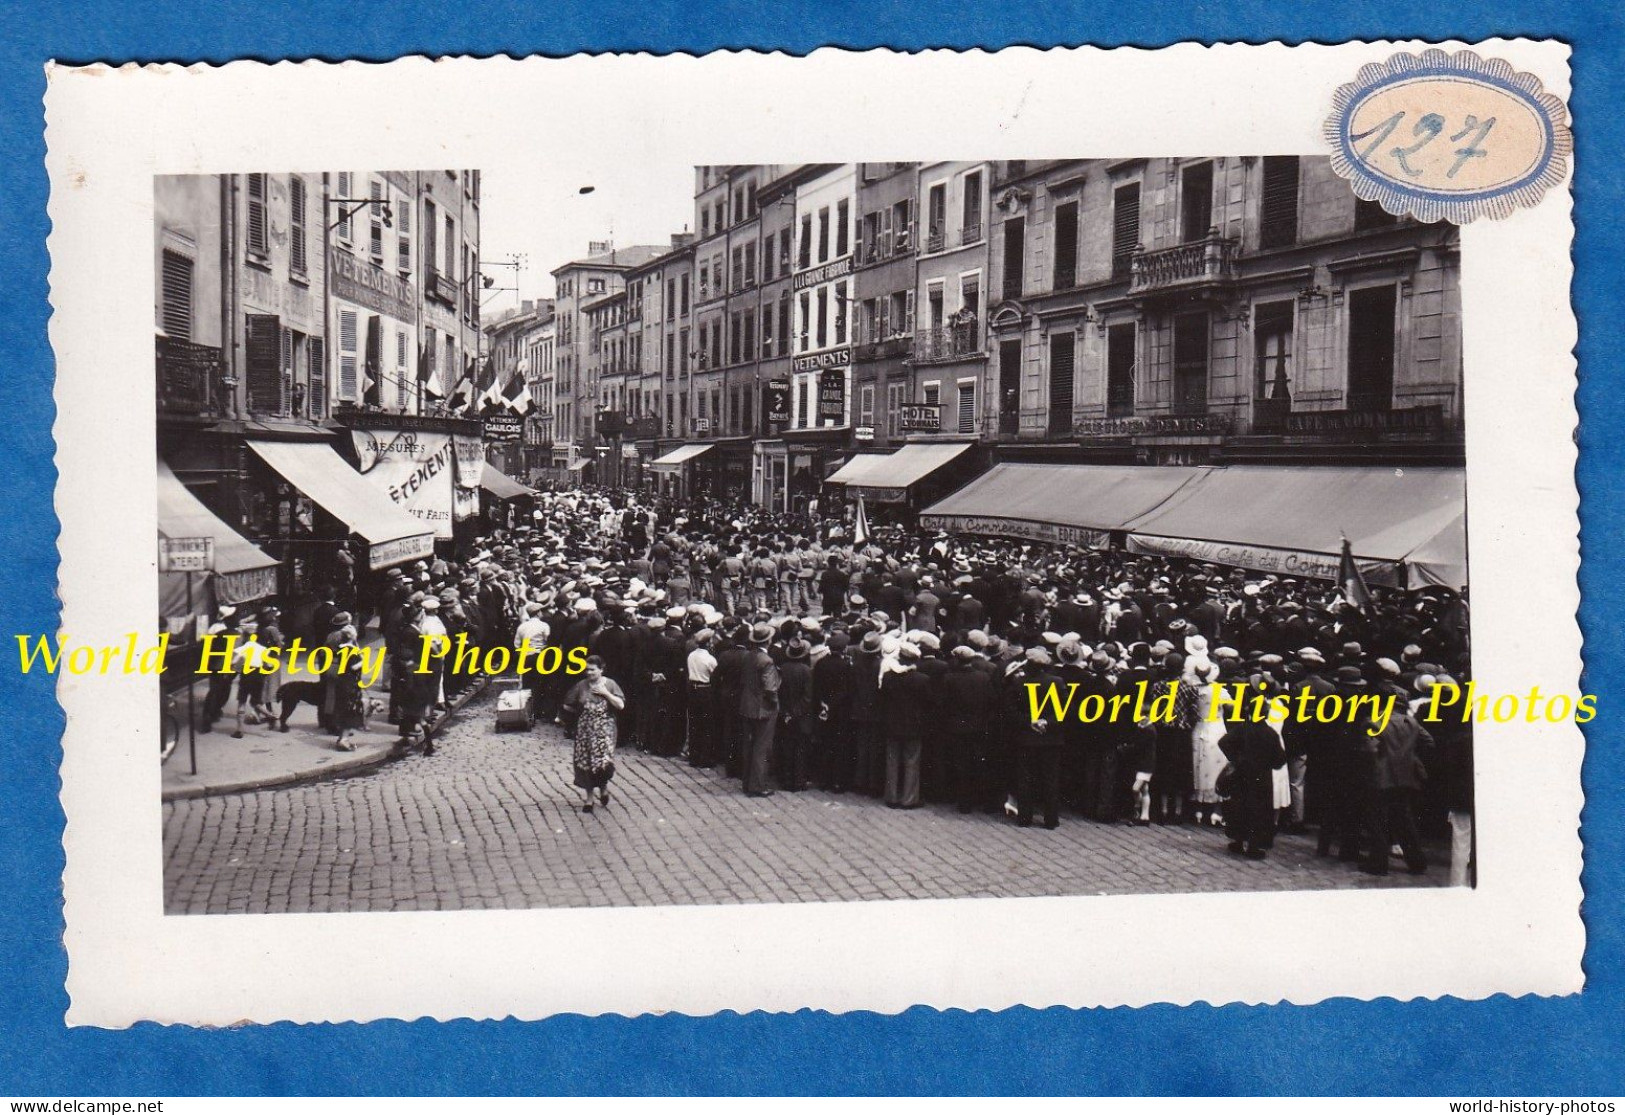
<point x="832" y="394"/>
<point x="1054" y="533"/>
<point x="920" y="416"/>
<point x="185" y="555"/>
<point x="1287" y="563"/>
<point x="385" y="554"/>
<point x="820" y="275"/>
<point x="504" y="427"/>
<point x="776" y="400"/>
<point x="818" y="361"/>
<point x="353" y="280"/>
<point x="414" y="469"/>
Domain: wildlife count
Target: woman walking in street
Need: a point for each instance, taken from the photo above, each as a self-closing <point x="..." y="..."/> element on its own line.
<point x="349" y="709"/>
<point x="593" y="702"/>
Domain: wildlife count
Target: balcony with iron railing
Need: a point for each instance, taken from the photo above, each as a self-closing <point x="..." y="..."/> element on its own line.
<point x="1210" y="261"/>
<point x="971" y="234"/>
<point x="936" y="239"/>
<point x="946" y="342"/>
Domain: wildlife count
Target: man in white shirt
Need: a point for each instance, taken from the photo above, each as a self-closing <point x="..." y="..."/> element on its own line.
<point x="528" y="639"/>
<point x="702" y="722"/>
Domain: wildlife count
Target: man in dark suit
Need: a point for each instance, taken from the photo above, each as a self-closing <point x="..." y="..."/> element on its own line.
<point x="967" y="709"/>
<point x="832" y="707"/>
<point x="759" y="712"/>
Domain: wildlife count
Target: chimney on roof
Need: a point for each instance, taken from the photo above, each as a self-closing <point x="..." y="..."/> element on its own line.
<point x="527" y="306"/>
<point x="599" y="247"/>
<point x="682" y="239"/>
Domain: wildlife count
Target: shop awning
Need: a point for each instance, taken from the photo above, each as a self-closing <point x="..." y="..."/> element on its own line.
<point x="501" y="485"/>
<point x="680" y="456"/>
<point x="392" y="535"/>
<point x="1068" y="504"/>
<point x="888" y="476"/>
<point x="1291" y="521"/>
<point x="579" y="465"/>
<point x="242" y="571"/>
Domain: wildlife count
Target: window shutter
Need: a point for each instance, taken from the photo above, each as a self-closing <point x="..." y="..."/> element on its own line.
<point x="317" y="401"/>
<point x="967" y="408"/>
<point x="403" y="257"/>
<point x="1015" y="244"/>
<point x="258" y="238"/>
<point x="1125" y="227"/>
<point x="296" y="224"/>
<point x="1066" y="246"/>
<point x="287" y="369"/>
<point x="344" y="210"/>
<point x="1062" y="363"/>
<point x="908" y="312"/>
<point x="1278" y="213"/>
<point x="264" y="344"/>
<point x="347" y="354"/>
<point x="177" y="295"/>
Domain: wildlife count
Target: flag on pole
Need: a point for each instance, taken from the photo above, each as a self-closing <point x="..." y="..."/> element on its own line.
<point x="1348" y="576"/>
<point x="515" y="397"/>
<point x="860" y="529"/>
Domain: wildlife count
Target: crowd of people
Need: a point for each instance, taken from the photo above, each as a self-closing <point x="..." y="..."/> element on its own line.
<point x="791" y="655"/>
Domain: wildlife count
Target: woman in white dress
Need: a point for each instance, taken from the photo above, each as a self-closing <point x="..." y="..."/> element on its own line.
<point x="1206" y="759"/>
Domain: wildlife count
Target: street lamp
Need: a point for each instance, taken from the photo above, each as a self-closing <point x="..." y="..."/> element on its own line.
<point x="359" y="204"/>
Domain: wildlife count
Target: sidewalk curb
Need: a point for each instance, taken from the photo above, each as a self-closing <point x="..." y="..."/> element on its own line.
<point x="354" y="764"/>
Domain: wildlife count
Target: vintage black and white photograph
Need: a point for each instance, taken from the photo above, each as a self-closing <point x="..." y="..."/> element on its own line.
<point x="790" y="556"/>
<point x="837" y="583"/>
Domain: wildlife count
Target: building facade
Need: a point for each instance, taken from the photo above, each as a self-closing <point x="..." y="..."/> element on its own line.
<point x="884" y="286"/>
<point x="949" y="357"/>
<point x="1224" y="309"/>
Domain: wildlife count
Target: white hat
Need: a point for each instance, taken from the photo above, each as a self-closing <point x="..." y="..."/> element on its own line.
<point x="586" y="604"/>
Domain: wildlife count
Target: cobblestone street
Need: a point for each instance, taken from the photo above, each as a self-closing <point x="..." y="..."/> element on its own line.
<point x="491" y="821"/>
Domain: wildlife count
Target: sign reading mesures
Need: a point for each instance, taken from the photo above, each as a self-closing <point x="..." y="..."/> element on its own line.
<point x="920" y="416"/>
<point x="352" y="280"/>
<point x="776" y="400"/>
<point x="818" y="361"/>
<point x="1055" y="533"/>
<point x="185" y="555"/>
<point x="832" y="394"/>
<point x="504" y="427"/>
<point x="820" y="275"/>
<point x="1154" y="424"/>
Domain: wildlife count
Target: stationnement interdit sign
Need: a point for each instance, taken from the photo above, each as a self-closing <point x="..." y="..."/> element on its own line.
<point x="185" y="555"/>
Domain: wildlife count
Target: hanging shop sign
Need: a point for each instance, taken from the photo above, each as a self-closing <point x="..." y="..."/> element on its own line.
<point x="414" y="468"/>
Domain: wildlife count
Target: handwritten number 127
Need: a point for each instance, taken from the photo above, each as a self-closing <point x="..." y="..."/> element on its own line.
<point x="1425" y="131"/>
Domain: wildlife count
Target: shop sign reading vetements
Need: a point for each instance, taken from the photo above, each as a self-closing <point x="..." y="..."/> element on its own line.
<point x="352" y="280"/>
<point x="818" y="361"/>
<point x="820" y="275"/>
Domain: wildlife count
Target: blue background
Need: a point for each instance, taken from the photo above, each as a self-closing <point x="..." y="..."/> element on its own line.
<point x="1502" y="1046"/>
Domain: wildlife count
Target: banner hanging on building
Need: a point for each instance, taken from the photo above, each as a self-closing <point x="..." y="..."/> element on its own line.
<point x="832" y="395"/>
<point x="470" y="454"/>
<point x="413" y="468"/>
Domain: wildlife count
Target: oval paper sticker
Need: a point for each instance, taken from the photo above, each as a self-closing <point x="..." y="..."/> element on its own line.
<point x="1448" y="137"/>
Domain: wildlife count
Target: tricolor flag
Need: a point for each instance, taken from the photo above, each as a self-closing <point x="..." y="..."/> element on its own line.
<point x="860" y="529"/>
<point x="1353" y="584"/>
<point x="515" y="397"/>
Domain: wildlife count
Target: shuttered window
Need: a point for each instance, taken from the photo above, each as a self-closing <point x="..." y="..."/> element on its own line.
<point x="1272" y="334"/>
<point x="1190" y="363"/>
<point x="1125" y="228"/>
<point x="1066" y="246"/>
<point x="1062" y="361"/>
<point x="347" y="355"/>
<point x="286" y="390"/>
<point x="1278" y="213"/>
<point x="967" y="408"/>
<point x="297" y="258"/>
<point x="176" y="295"/>
<point x="317" y="398"/>
<point x="343" y="207"/>
<point x="375" y="244"/>
<point x="259" y="236"/>
<point x="1015" y="255"/>
<point x="430" y="245"/>
<point x="400" y="368"/>
<point x="843" y="222"/>
<point x="264" y="344"/>
<point x="403" y="249"/>
<point x="1120" y="371"/>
